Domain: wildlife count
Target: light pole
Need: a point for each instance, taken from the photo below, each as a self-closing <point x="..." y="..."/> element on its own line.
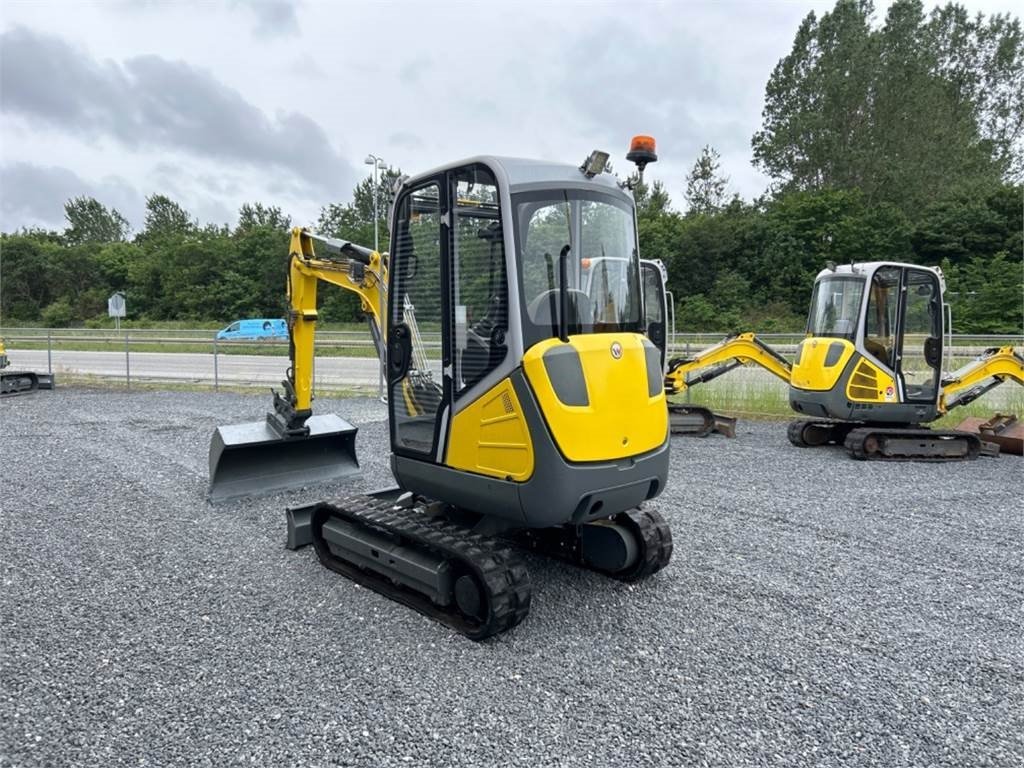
<point x="375" y="162"/>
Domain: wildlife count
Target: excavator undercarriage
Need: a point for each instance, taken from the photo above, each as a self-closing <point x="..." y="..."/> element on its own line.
<point x="886" y="442"/>
<point x="433" y="557"/>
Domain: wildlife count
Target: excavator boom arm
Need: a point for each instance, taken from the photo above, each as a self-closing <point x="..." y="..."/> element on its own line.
<point x="732" y="351"/>
<point x="346" y="265"/>
<point x="990" y="369"/>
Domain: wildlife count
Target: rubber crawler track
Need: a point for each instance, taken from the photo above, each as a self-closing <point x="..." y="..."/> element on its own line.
<point x="499" y="573"/>
<point x="829" y="432"/>
<point x="17" y="383"/>
<point x="880" y="444"/>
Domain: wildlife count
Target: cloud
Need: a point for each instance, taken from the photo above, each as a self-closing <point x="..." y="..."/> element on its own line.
<point x="149" y="102"/>
<point x="273" y="17"/>
<point x="662" y="83"/>
<point x="410" y="72"/>
<point x="405" y="140"/>
<point x="34" y="195"/>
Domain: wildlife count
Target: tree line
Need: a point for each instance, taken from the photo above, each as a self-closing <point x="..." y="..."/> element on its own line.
<point x="896" y="139"/>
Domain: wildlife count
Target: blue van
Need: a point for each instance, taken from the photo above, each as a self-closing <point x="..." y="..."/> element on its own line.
<point x="261" y="328"/>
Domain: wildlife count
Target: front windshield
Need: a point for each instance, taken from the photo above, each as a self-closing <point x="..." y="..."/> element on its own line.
<point x="597" y="234"/>
<point x="835" y="307"/>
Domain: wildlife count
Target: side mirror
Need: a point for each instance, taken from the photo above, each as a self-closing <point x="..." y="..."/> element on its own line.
<point x="656" y="333"/>
<point x="933" y="351"/>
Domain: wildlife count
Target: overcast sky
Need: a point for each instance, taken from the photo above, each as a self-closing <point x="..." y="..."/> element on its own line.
<point x="215" y="104"/>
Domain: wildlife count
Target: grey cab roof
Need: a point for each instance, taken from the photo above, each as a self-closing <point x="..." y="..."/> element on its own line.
<point x="521" y="174"/>
<point x="866" y="268"/>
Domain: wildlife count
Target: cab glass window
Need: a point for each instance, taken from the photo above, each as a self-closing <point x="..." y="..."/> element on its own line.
<point x="922" y="335"/>
<point x="835" y="307"/>
<point x="880" y="322"/>
<point x="480" y="283"/>
<point x="597" y="236"/>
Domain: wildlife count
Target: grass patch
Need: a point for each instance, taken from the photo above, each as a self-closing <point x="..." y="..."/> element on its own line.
<point x="90" y="381"/>
<point x="265" y="349"/>
<point x="764" y="397"/>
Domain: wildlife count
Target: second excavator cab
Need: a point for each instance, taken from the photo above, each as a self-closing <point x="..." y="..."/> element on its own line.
<point x="874" y="343"/>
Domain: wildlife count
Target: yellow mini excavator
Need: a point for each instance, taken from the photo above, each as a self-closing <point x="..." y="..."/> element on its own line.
<point x="869" y="372"/>
<point x="525" y="400"/>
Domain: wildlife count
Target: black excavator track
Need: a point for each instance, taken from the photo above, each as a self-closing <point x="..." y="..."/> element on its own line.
<point x="646" y="526"/>
<point x="479" y="587"/>
<point x="914" y="444"/>
<point x="888" y="443"/>
<point x="810" y="434"/>
<point x="18" y="383"/>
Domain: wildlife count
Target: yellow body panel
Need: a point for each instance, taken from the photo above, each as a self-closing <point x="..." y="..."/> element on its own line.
<point x="870" y="384"/>
<point x="490" y="437"/>
<point x="810" y="372"/>
<point x="621" y="419"/>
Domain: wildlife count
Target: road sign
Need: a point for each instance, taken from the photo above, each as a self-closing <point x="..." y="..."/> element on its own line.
<point x="116" y="306"/>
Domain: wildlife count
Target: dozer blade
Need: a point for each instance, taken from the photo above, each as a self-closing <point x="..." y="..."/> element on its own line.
<point x="253" y="459"/>
<point x="698" y="421"/>
<point x="1005" y="430"/>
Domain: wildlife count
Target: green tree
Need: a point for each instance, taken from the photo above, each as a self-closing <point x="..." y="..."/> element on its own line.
<point x="255" y="215"/>
<point x="705" y="184"/>
<point x="985" y="294"/>
<point x="903" y="112"/>
<point x="353" y="221"/>
<point x="25" y="288"/>
<point x="59" y="314"/>
<point x="651" y="200"/>
<point x="89" y="221"/>
<point x="164" y="218"/>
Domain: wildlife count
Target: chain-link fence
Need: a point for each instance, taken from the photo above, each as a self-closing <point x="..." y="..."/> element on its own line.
<point x="347" y="361"/>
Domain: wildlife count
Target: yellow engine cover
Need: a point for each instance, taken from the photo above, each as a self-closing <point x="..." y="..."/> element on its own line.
<point x="621" y="417"/>
<point x="810" y="370"/>
<point x="490" y="437"/>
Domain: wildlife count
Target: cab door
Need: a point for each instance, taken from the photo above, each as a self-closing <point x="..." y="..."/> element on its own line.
<point x="920" y="349"/>
<point x="418" y="351"/>
<point x="903" y="329"/>
<point x="655" y="306"/>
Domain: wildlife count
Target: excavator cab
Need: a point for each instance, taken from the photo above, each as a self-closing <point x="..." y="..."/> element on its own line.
<point x="516" y="302"/>
<point x="873" y="350"/>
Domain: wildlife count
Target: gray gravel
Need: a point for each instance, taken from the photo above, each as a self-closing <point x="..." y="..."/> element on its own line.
<point x="817" y="611"/>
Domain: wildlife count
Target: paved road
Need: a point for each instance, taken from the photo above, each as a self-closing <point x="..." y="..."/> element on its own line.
<point x="173" y="366"/>
<point x="341" y="372"/>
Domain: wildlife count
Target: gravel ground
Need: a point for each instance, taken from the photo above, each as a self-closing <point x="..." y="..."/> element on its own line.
<point x="817" y="611"/>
